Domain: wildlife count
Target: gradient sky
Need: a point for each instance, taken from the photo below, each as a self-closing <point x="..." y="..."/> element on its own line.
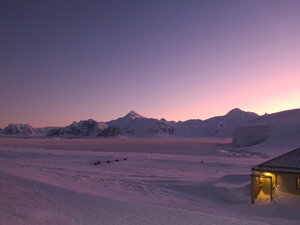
<point x="64" y="61"/>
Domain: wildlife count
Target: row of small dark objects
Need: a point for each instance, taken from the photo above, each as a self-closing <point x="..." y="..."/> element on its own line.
<point x="109" y="161"/>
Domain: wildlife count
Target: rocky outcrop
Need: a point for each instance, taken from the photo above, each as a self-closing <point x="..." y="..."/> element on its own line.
<point x="111" y="132"/>
<point x="18" y="129"/>
<point x="83" y="128"/>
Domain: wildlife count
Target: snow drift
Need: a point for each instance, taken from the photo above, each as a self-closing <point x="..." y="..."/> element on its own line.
<point x="250" y="135"/>
<point x="281" y="127"/>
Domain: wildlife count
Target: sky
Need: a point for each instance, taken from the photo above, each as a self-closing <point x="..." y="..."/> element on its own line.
<point x="64" y="61"/>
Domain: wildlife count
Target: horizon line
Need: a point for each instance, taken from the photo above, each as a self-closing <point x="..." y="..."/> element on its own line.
<point x="151" y="118"/>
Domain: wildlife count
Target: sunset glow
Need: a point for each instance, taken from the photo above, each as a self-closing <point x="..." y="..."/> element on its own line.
<point x="63" y="62"/>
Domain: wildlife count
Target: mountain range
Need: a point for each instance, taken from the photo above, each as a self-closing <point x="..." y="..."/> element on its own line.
<point x="246" y="128"/>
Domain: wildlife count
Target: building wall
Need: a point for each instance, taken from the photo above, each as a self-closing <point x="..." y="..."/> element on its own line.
<point x="287" y="182"/>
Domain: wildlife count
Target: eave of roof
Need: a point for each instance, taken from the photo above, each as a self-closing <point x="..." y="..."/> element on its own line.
<point x="276" y="169"/>
<point x="289" y="160"/>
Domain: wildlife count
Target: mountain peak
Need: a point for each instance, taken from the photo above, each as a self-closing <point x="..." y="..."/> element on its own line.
<point x="235" y="111"/>
<point x="23" y="129"/>
<point x="238" y="113"/>
<point x="133" y="115"/>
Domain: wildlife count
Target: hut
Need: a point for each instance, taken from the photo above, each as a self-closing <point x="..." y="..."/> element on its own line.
<point x="278" y="174"/>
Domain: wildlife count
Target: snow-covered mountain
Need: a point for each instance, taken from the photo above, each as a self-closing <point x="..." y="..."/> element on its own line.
<point x="136" y="125"/>
<point x="42" y="131"/>
<point x="82" y="128"/>
<point x="220" y="126"/>
<point x="281" y="127"/>
<point x="111" y="132"/>
<point x="18" y="129"/>
<point x="191" y="128"/>
<point x="249" y="127"/>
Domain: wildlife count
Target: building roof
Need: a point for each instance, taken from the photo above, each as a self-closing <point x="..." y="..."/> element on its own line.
<point x="288" y="162"/>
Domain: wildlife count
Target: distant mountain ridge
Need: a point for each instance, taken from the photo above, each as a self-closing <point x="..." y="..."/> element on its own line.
<point x="82" y="128"/>
<point x="246" y="128"/>
<point x="18" y="129"/>
<point x="219" y="126"/>
<point x="136" y="125"/>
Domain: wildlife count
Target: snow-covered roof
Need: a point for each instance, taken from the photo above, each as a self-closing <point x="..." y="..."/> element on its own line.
<point x="288" y="162"/>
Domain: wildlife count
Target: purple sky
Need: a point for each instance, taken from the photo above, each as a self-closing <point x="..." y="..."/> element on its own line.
<point x="62" y="61"/>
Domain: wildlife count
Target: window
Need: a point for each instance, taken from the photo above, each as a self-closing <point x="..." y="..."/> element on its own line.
<point x="298" y="183"/>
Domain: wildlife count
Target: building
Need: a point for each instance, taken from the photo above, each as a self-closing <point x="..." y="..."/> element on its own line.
<point x="281" y="173"/>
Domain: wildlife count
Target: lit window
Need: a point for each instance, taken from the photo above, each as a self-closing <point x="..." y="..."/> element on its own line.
<point x="298" y="183"/>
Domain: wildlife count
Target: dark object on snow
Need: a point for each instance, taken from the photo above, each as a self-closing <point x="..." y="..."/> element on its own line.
<point x="201" y="161"/>
<point x="97" y="163"/>
<point x="117" y="160"/>
<point x="125" y="158"/>
<point x="107" y="161"/>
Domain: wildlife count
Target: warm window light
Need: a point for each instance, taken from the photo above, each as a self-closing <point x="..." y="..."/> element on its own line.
<point x="267" y="174"/>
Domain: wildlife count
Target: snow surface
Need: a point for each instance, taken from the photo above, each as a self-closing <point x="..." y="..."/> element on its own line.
<point x="162" y="182"/>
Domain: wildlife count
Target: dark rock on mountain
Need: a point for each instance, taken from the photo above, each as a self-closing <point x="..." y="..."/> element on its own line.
<point x="82" y="128"/>
<point x="18" y="129"/>
<point x="55" y="132"/>
<point x="111" y="132"/>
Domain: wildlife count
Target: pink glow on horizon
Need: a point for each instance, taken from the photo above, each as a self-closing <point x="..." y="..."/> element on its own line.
<point x="193" y="60"/>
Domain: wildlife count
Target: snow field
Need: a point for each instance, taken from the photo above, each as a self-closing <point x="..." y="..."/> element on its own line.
<point x="55" y="186"/>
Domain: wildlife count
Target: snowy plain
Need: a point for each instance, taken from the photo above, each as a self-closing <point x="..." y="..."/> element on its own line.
<point x="161" y="182"/>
